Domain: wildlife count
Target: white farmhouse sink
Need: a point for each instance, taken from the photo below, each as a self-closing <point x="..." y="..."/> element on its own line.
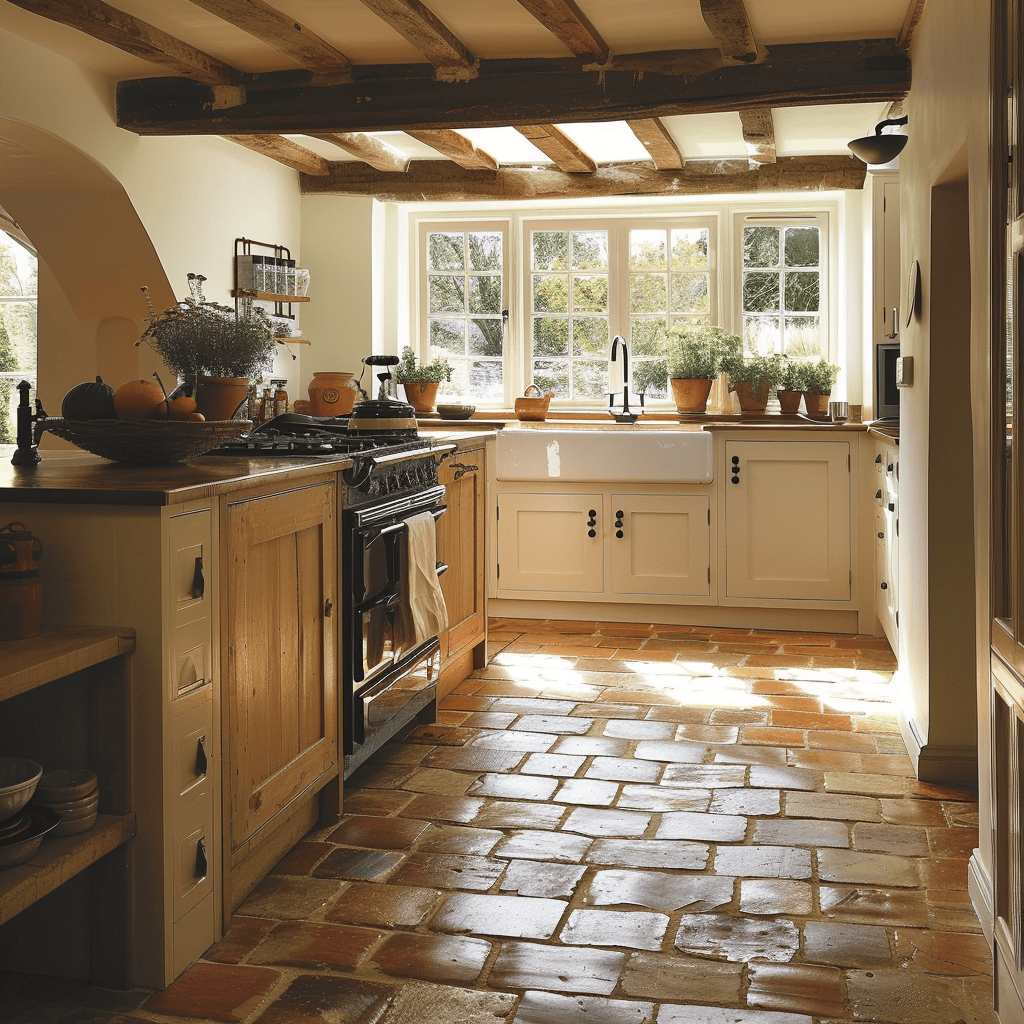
<point x="639" y="456"/>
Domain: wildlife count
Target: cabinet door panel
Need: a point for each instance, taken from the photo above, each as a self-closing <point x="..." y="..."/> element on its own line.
<point x="281" y="667"/>
<point x="544" y="543"/>
<point x="665" y="547"/>
<point x="788" y="520"/>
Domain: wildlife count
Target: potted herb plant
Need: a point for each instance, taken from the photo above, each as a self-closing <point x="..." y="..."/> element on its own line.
<point x="791" y="386"/>
<point x="818" y="380"/>
<point x="752" y="378"/>
<point x="215" y="350"/>
<point x="695" y="361"/>
<point x="421" y="380"/>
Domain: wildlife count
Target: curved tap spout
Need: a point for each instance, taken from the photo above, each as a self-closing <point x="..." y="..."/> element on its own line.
<point x="616" y="341"/>
<point x="625" y="416"/>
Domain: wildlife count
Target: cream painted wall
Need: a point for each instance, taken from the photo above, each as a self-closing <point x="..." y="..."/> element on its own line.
<point x="192" y="196"/>
<point x="949" y="113"/>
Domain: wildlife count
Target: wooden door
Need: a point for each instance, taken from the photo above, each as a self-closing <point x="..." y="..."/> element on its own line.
<point x="663" y="545"/>
<point x="546" y="543"/>
<point x="787" y="520"/>
<point x="280" y="595"/>
<point x="460" y="544"/>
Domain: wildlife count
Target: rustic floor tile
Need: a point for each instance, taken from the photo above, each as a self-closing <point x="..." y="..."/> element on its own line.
<point x="523" y="965"/>
<point x="489" y="719"/>
<point x="448" y="959"/>
<point x="517" y="917"/>
<point x="315" y="947"/>
<point x="461" y="839"/>
<point x="633" y="730"/>
<point x="438" y="735"/>
<point x="866" y="868"/>
<point x="244" y="935"/>
<point x="559" y="724"/>
<point x="763" y="862"/>
<point x="768" y="736"/>
<point x="560" y="765"/>
<point x="659" y="890"/>
<point x="382" y="776"/>
<point x="958" y="815"/>
<point x="832" y="805"/>
<point x="857" y="904"/>
<point x="552" y="846"/>
<point x="913" y="812"/>
<point x="593" y="792"/>
<point x="709" y="828"/>
<point x="900" y="840"/>
<point x="523" y="814"/>
<point x="378" y="833"/>
<point x="849" y="741"/>
<point x="801" y="832"/>
<point x="441" y="807"/>
<point x="628" y="928"/>
<point x="672" y="978"/>
<point x="658" y="798"/>
<point x="704" y="776"/>
<point x="773" y="756"/>
<point x="952" y="842"/>
<point x="846" y="945"/>
<point x="286" y="898"/>
<point x="797" y="988"/>
<point x="773" y="777"/>
<point x="623" y="769"/>
<point x="746" y="801"/>
<point x="449" y="872"/>
<point x="545" y="1007"/>
<point x="219" y="992"/>
<point x="384" y="906"/>
<point x="374" y="801"/>
<point x="723" y="937"/>
<point x="435" y="780"/>
<point x="418" y="1003"/>
<point x="525" y="742"/>
<point x="316" y="999"/>
<point x="943" y="873"/>
<point x="302" y="858"/>
<point x="649" y="853"/>
<point x="356" y="865"/>
<point x="592" y="821"/>
<point x="776" y="896"/>
<point x="944" y="952"/>
<point x="472" y="759"/>
<point x="514" y="787"/>
<point x="898" y="995"/>
<point x="587" y="745"/>
<point x="531" y="878"/>
<point x="677" y="715"/>
<point x="670" y="751"/>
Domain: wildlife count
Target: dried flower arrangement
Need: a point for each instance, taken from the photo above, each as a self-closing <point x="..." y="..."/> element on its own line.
<point x="197" y="338"/>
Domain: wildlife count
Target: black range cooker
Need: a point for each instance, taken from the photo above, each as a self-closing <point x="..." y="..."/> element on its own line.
<point x="388" y="682"/>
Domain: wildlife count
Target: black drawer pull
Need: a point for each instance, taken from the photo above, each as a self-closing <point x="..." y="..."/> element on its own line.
<point x="884" y="586"/>
<point x="881" y="536"/>
<point x="198" y="579"/>
<point x="202" y="865"/>
<point x="202" y="759"/>
<point x="619" y="534"/>
<point x="591" y="533"/>
<point x="328" y="607"/>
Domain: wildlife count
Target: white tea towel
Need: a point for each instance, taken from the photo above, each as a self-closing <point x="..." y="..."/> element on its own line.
<point x="421" y="612"/>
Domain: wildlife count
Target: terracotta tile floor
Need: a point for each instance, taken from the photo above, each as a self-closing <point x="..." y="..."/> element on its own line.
<point x="609" y="824"/>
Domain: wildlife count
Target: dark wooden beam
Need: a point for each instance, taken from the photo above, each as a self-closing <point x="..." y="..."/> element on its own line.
<point x="730" y="26"/>
<point x="443" y="181"/>
<point x="284" y="151"/>
<point x="518" y="92"/>
<point x="368" y="149"/>
<point x="424" y="30"/>
<point x="284" y="34"/>
<point x="109" y="25"/>
<point x="654" y="137"/>
<point x="759" y="134"/>
<point x="556" y="144"/>
<point x="456" y="147"/>
<point x="562" y="18"/>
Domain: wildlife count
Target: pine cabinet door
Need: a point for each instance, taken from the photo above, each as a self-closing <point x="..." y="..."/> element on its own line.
<point x="280" y="651"/>
<point x="660" y="544"/>
<point x="787" y="520"/>
<point x="546" y="543"/>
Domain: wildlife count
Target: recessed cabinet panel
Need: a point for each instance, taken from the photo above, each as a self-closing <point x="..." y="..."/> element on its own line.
<point x="663" y="545"/>
<point x="189" y="598"/>
<point x="545" y="543"/>
<point x="787" y="519"/>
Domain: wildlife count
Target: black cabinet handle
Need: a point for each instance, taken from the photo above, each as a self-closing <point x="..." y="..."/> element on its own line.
<point x="198" y="579"/>
<point x="591" y="533"/>
<point x="202" y="865"/>
<point x="878" y="460"/>
<point x="328" y="607"/>
<point x="892" y="507"/>
<point x="735" y="460"/>
<point x="619" y="514"/>
<point x="884" y="586"/>
<point x="592" y="513"/>
<point x="881" y="536"/>
<point x="202" y="760"/>
<point x="619" y="534"/>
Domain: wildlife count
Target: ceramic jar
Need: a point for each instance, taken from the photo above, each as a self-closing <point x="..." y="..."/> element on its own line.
<point x="330" y="394"/>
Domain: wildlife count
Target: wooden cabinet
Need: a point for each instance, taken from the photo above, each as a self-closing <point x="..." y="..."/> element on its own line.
<point x="280" y="668"/>
<point x="787" y="520"/>
<point x="460" y="545"/>
<point x="885" y="496"/>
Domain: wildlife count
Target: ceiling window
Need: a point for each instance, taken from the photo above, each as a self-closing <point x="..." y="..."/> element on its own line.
<point x="18" y="301"/>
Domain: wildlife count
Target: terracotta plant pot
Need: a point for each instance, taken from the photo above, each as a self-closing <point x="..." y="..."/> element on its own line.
<point x="218" y="398"/>
<point x="690" y="394"/>
<point x="750" y="400"/>
<point x="789" y="401"/>
<point x="421" y="394"/>
<point x="330" y="394"/>
<point x="816" y="404"/>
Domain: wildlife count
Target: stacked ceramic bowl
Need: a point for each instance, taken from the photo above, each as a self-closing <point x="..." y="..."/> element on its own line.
<point x="21" y="829"/>
<point x="74" y="795"/>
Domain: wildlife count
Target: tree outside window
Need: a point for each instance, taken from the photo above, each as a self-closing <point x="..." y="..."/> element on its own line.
<point x="782" y="291"/>
<point x="18" y="302"/>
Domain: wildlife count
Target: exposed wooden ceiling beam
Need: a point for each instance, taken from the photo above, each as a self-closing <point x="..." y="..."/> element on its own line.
<point x="654" y="137"/>
<point x="284" y="151"/>
<point x="562" y="18"/>
<point x="456" y="147"/>
<point x="109" y="25"/>
<point x="442" y="180"/>
<point x="910" y="22"/>
<point x="386" y="97"/>
<point x="759" y="134"/>
<point x="424" y="30"/>
<point x="730" y="26"/>
<point x="284" y="34"/>
<point x="368" y="149"/>
<point x="556" y="144"/>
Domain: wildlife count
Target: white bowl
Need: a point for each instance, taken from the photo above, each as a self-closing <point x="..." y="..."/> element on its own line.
<point x="18" y="779"/>
<point x="68" y="784"/>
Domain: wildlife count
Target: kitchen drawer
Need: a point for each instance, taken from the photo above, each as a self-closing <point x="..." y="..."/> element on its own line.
<point x="193" y="935"/>
<point x="194" y="862"/>
<point x="193" y="747"/>
<point x="189" y="600"/>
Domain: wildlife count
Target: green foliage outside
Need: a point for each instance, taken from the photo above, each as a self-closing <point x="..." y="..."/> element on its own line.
<point x="18" y="277"/>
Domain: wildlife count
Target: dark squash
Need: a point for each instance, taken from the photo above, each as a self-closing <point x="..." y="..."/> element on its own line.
<point x="93" y="400"/>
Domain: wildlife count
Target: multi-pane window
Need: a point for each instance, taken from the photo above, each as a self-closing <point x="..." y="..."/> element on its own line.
<point x="465" y="303"/>
<point x="782" y="289"/>
<point x="569" y="312"/>
<point x="18" y="284"/>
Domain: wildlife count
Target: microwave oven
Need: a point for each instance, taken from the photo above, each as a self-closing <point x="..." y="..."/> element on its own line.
<point x="887" y="394"/>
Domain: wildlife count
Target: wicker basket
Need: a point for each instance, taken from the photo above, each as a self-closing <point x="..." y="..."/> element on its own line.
<point x="144" y="441"/>
<point x="533" y="405"/>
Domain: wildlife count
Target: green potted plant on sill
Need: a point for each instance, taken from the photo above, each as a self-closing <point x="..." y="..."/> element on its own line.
<point x="818" y="380"/>
<point x="421" y="380"/>
<point x="752" y="378"/>
<point x="697" y="354"/>
<point x="790" y="388"/>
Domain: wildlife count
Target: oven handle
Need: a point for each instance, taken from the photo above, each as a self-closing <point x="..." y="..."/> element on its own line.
<point x="387" y="599"/>
<point x="371" y="536"/>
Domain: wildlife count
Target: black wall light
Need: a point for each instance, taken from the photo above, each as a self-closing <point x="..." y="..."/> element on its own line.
<point x="879" y="148"/>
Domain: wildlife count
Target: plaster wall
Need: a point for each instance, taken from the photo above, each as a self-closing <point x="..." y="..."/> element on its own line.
<point x="944" y="496"/>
